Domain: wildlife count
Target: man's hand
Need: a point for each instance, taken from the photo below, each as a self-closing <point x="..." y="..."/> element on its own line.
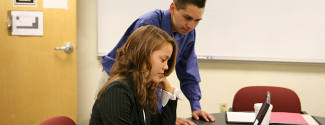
<point x="182" y="121"/>
<point x="199" y="113"/>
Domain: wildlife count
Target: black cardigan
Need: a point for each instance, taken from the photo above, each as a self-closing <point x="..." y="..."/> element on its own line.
<point x="118" y="106"/>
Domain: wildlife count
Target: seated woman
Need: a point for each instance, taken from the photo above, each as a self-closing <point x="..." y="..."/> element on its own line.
<point x="130" y="94"/>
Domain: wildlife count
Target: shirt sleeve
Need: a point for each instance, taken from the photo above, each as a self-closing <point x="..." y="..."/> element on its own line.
<point x="187" y="71"/>
<point x="109" y="59"/>
<point x="113" y="107"/>
<point x="166" y="96"/>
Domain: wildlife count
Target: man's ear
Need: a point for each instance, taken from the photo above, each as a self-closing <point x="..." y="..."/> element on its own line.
<point x="172" y="8"/>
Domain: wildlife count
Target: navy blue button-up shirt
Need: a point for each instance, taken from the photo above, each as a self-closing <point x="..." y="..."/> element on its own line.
<point x="186" y="61"/>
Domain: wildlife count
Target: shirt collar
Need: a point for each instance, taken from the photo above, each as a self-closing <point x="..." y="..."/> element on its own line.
<point x="166" y="22"/>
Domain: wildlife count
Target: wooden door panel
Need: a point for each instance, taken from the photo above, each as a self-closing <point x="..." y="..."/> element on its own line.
<point x="37" y="82"/>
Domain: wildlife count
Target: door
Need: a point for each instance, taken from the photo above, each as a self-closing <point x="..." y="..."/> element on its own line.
<point x="36" y="81"/>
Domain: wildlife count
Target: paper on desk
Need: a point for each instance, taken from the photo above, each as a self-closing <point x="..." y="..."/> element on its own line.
<point x="288" y="118"/>
<point x="276" y="117"/>
<point x="240" y="117"/>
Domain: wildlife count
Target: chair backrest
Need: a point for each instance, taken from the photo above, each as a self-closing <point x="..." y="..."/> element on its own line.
<point x="282" y="99"/>
<point x="58" y="120"/>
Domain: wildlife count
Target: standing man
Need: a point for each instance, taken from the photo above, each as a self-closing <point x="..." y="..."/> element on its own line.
<point x="179" y="22"/>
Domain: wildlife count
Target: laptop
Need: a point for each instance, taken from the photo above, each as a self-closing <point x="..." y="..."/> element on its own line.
<point x="263" y="110"/>
<point x="250" y="117"/>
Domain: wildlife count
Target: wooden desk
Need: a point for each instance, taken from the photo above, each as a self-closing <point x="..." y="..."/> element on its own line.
<point x="221" y="120"/>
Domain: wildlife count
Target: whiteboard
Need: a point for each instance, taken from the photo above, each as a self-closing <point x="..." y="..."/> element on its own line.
<point x="253" y="30"/>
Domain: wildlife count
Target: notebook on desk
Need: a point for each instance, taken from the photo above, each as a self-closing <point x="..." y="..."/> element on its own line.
<point x="288" y="118"/>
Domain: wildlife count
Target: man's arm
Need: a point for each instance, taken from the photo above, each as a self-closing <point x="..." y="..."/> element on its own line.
<point x="188" y="73"/>
<point x="109" y="59"/>
<point x="150" y="18"/>
<point x="187" y="70"/>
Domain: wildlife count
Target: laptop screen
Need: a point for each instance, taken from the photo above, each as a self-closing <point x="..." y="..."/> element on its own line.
<point x="263" y="110"/>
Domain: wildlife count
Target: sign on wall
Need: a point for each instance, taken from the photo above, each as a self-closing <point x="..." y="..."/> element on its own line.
<point x="28" y="23"/>
<point x="26" y="3"/>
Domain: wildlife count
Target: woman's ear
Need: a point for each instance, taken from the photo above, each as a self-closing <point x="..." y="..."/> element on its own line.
<point x="145" y="67"/>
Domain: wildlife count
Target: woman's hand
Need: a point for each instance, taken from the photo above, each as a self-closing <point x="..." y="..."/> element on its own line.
<point x="165" y="85"/>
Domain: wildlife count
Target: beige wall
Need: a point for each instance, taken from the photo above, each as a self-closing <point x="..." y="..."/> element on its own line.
<point x="220" y="79"/>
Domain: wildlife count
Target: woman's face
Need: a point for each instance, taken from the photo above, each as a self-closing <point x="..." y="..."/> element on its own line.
<point x="159" y="60"/>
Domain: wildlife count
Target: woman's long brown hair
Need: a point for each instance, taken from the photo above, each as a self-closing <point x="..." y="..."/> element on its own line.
<point x="133" y="63"/>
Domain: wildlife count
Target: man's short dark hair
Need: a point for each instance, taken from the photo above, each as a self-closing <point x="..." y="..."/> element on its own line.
<point x="181" y="4"/>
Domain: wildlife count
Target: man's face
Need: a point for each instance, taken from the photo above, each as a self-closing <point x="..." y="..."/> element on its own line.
<point x="185" y="20"/>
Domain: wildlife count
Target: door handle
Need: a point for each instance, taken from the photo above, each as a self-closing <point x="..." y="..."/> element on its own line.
<point x="68" y="48"/>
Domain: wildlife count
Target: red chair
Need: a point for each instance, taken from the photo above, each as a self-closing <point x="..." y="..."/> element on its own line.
<point x="282" y="99"/>
<point x="59" y="120"/>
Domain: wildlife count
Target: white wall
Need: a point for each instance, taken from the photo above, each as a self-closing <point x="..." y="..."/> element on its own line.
<point x="87" y="64"/>
<point x="220" y="79"/>
<point x="242" y="29"/>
